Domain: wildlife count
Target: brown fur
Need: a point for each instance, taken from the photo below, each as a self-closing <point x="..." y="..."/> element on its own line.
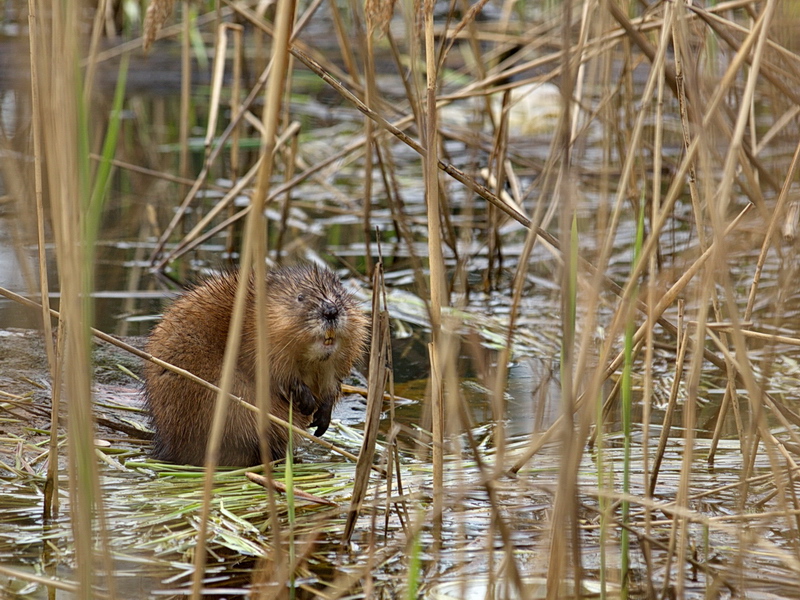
<point x="301" y="304"/>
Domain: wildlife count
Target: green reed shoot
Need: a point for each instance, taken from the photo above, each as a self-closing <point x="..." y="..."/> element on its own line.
<point x="102" y="177"/>
<point x="414" y="567"/>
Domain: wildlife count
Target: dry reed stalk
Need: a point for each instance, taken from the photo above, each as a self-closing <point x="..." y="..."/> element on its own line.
<point x="211" y="158"/>
<point x="347" y="579"/>
<point x="217" y="81"/>
<point x="438" y="295"/>
<point x="743" y="365"/>
<point x="774" y="75"/>
<point x="393" y="459"/>
<point x="368" y="166"/>
<point x="768" y="241"/>
<point x="161" y="175"/>
<point x="375" y="20"/>
<point x="680" y="351"/>
<point x="468" y="23"/>
<point x="254" y="254"/>
<point x="679" y="537"/>
<point x="192" y="238"/>
<point x="97" y="30"/>
<point x="51" y="498"/>
<point x="631" y="159"/>
<point x="761" y="29"/>
<point x="380" y="349"/>
<point x="652" y="240"/>
<point x="743" y="374"/>
<point x="578" y="51"/>
<point x="135" y="44"/>
<point x="409" y="82"/>
<point x="667" y="299"/>
<point x="326" y="75"/>
<point x="186" y="91"/>
<point x="234" y="103"/>
<point x="265" y="26"/>
<point x="157" y="13"/>
<point x="291" y="162"/>
<point x="393" y="128"/>
<point x="738" y="331"/>
<point x="343" y="37"/>
<point x="496" y="160"/>
<point x="769" y="235"/>
<point x="497" y="179"/>
<point x="518" y="287"/>
<point x="62" y="112"/>
<point x="650" y="467"/>
<point x="211" y="153"/>
<point x="51" y="584"/>
<point x="564" y="550"/>
<point x="400" y="219"/>
<point x="700" y="154"/>
<point x="750" y="542"/>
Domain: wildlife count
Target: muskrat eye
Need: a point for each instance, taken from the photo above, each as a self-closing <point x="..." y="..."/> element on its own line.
<point x="300" y="297"/>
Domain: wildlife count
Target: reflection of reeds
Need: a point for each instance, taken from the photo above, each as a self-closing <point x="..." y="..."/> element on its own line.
<point x="688" y="133"/>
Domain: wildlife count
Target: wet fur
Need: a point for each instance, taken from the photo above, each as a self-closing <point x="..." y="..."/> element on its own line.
<point x="193" y="333"/>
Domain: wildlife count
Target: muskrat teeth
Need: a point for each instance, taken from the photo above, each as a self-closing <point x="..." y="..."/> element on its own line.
<point x="330" y="337"/>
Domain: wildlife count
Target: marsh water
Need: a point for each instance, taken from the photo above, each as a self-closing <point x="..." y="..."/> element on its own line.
<point x="151" y="510"/>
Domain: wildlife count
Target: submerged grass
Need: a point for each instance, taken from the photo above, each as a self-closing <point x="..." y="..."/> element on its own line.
<point x="643" y="239"/>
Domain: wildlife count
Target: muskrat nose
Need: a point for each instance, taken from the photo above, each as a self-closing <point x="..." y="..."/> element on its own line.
<point x="329" y="311"/>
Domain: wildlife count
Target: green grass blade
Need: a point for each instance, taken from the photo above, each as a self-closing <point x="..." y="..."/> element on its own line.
<point x="103" y="176"/>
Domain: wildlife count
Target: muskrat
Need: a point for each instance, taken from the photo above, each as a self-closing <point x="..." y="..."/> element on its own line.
<point x="316" y="333"/>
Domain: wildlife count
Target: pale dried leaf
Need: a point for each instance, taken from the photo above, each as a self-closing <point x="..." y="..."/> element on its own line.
<point x="154" y="18"/>
<point x="379" y="15"/>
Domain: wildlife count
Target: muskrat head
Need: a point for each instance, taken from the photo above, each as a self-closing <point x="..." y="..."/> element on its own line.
<point x="310" y="314"/>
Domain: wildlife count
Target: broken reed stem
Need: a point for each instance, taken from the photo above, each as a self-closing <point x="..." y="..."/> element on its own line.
<point x="380" y="350"/>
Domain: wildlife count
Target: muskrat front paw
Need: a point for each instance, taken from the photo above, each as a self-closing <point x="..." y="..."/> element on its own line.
<point x="322" y="418"/>
<point x="298" y="394"/>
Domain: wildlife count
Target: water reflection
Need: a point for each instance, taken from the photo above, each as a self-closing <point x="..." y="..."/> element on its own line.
<point x="534" y="396"/>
